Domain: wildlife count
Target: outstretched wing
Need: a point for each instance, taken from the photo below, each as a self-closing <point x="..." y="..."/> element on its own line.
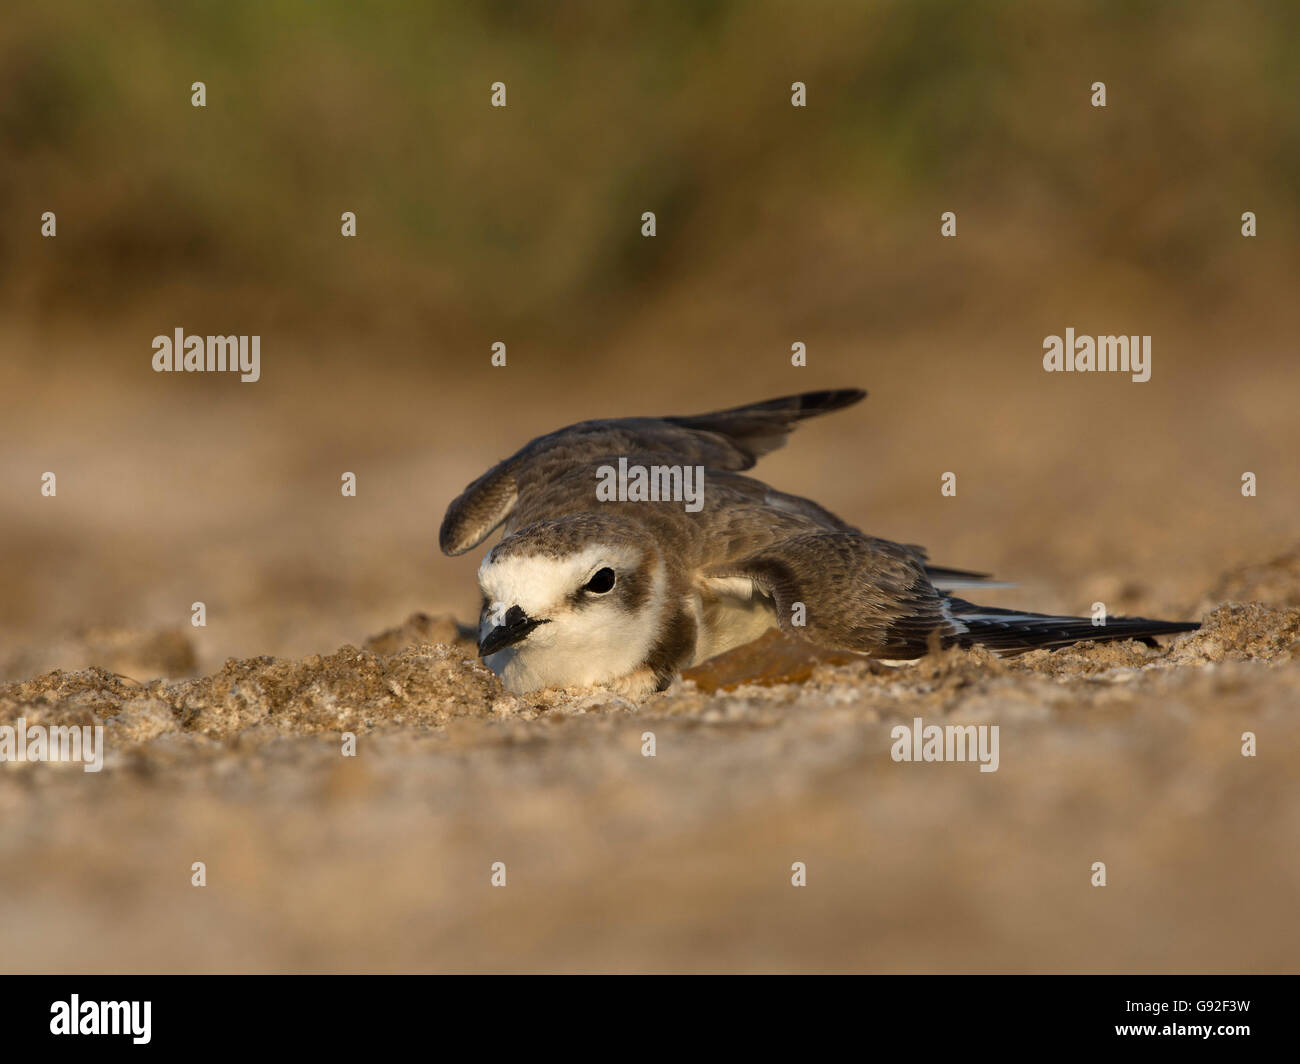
<point x="724" y="440"/>
<point x="846" y="591"/>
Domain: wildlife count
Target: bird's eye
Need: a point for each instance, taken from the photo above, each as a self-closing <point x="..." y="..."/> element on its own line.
<point x="602" y="581"/>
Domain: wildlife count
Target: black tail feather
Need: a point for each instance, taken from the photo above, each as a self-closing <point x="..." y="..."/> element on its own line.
<point x="1014" y="632"/>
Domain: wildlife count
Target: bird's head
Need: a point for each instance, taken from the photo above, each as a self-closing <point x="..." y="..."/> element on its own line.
<point x="570" y="602"/>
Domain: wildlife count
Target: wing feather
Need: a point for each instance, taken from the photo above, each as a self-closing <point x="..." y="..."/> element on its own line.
<point x="725" y="440"/>
<point x="858" y="593"/>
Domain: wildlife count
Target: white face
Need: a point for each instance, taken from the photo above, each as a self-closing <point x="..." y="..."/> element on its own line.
<point x="587" y="635"/>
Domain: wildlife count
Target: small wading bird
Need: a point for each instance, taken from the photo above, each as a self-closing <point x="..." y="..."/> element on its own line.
<point x="625" y="594"/>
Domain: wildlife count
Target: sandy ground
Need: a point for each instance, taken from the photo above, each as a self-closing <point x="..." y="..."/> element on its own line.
<point x="680" y="861"/>
<point x="224" y="742"/>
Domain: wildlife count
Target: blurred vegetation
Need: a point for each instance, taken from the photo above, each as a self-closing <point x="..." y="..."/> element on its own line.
<point x="471" y="217"/>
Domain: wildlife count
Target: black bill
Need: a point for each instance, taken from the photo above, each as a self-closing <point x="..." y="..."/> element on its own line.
<point x="517" y="624"/>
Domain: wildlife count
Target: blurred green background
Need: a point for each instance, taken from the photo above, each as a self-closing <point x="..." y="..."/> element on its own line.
<point x="477" y="221"/>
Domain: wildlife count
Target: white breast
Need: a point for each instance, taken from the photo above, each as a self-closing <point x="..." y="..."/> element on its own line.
<point x="731" y="612"/>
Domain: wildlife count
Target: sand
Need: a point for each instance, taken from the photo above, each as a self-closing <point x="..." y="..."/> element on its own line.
<point x="615" y="861"/>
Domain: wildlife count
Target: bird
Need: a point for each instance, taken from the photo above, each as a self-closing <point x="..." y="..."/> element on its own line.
<point x="624" y="591"/>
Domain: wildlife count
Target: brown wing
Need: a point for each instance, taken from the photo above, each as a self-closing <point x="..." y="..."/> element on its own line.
<point x="857" y="593"/>
<point x="724" y="440"/>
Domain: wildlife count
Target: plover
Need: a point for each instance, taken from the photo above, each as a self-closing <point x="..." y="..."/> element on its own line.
<point x="585" y="590"/>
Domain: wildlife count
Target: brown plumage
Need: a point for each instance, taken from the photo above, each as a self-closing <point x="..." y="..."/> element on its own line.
<point x="699" y="582"/>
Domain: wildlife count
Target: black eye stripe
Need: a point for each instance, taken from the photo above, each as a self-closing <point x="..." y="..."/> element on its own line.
<point x="601" y="581"/>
